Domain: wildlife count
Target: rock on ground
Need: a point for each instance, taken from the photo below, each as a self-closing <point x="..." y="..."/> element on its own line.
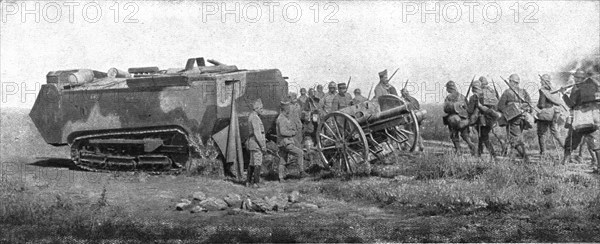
<point x="198" y="209"/>
<point x="200" y="196"/>
<point x="294" y="196"/>
<point x="233" y="200"/>
<point x="213" y="204"/>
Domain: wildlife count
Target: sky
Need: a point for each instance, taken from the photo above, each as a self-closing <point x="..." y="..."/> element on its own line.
<point x="310" y="42"/>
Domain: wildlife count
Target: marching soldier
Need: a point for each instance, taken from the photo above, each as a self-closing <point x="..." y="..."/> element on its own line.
<point x="320" y="94"/>
<point x="482" y="115"/>
<point x="413" y="106"/>
<point x="513" y="109"/>
<point x="286" y="131"/>
<point x="583" y="102"/>
<point x="457" y="117"/>
<point x="384" y="87"/>
<point x="327" y="100"/>
<point x="548" y="104"/>
<point x="342" y="99"/>
<point x="358" y="98"/>
<point x="256" y="144"/>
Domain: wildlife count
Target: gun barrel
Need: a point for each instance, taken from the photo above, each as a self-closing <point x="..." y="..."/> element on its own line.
<point x="383" y="115"/>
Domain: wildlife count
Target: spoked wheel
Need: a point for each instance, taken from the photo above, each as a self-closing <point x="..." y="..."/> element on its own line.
<point x="406" y="136"/>
<point x="342" y="144"/>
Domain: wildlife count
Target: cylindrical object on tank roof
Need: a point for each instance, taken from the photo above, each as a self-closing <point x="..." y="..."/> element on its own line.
<point x="81" y="76"/>
<point x="117" y="73"/>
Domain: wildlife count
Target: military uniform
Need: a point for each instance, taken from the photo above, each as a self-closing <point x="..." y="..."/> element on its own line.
<point x="484" y="123"/>
<point x="549" y="111"/>
<point x="384" y="88"/>
<point x="515" y="126"/>
<point x="295" y="114"/>
<point x="286" y="131"/>
<point x="584" y="98"/>
<point x="456" y="118"/>
<point x="327" y="102"/>
<point x="358" y="99"/>
<point x="340" y="102"/>
<point x="302" y="100"/>
<point x="256" y="143"/>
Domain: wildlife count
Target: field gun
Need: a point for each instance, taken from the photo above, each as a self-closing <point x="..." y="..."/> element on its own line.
<point x="350" y="139"/>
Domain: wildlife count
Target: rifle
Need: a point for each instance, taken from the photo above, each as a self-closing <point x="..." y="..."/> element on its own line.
<point x="393" y="75"/>
<point x="470" y="85"/>
<point x="348" y="83"/>
<point x="519" y="96"/>
<point x="495" y="90"/>
<point x="564" y="87"/>
<point x="405" y="83"/>
<point x="370" y="90"/>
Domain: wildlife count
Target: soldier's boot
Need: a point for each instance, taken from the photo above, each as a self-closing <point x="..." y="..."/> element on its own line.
<point x="490" y="148"/>
<point x="257" y="170"/>
<point x="522" y="153"/>
<point x="249" y="176"/>
<point x="566" y="157"/>
<point x="479" y="148"/>
<point x="456" y="147"/>
<point x="472" y="148"/>
<point x="542" y="145"/>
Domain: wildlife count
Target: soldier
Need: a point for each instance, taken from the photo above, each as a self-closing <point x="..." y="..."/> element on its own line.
<point x="327" y="100"/>
<point x="358" y="98"/>
<point x="548" y="104"/>
<point x="413" y="106"/>
<point x="342" y="99"/>
<point x="482" y="115"/>
<point x="320" y="94"/>
<point x="295" y="114"/>
<point x="311" y="111"/>
<point x="286" y="131"/>
<point x="583" y="101"/>
<point x="457" y="117"/>
<point x="303" y="97"/>
<point x="513" y="108"/>
<point x="256" y="143"/>
<point x="384" y="87"/>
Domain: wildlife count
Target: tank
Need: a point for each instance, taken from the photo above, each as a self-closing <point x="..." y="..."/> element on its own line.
<point x="148" y="118"/>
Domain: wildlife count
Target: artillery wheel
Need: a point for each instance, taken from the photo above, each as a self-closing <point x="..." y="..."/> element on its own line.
<point x="342" y="144"/>
<point x="406" y="136"/>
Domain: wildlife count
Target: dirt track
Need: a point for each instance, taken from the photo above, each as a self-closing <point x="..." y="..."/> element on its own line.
<point x="48" y="173"/>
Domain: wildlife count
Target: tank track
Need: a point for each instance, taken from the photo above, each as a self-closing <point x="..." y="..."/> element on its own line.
<point x="130" y="161"/>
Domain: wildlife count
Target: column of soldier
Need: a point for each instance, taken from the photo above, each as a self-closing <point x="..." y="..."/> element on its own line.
<point x="297" y="123"/>
<point x="485" y="109"/>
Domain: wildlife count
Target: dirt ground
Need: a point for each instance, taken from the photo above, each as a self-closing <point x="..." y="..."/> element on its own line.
<point x="47" y="172"/>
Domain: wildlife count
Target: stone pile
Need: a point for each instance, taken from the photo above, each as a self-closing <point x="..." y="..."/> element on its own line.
<point x="201" y="203"/>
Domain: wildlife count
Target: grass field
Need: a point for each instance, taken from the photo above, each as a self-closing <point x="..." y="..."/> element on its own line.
<point x="426" y="197"/>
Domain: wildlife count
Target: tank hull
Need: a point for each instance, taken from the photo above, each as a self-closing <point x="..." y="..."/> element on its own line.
<point x="195" y="104"/>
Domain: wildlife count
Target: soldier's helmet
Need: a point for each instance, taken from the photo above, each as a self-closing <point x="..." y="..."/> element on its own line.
<point x="341" y="86"/>
<point x="331" y="85"/>
<point x="546" y="77"/>
<point x="515" y="78"/>
<point x="302" y="90"/>
<point x="579" y="73"/>
<point x="356" y="91"/>
<point x="319" y="87"/>
<point x="483" y="80"/>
